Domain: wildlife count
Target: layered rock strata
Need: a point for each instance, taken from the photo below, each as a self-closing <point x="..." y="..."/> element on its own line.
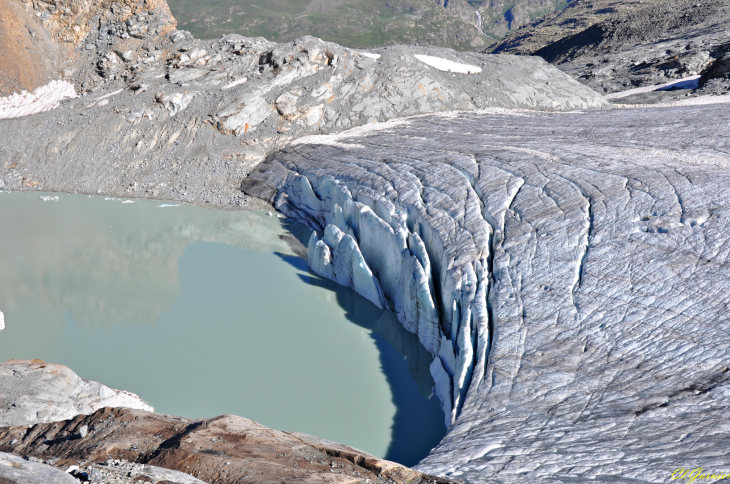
<point x="33" y="391"/>
<point x="566" y="272"/>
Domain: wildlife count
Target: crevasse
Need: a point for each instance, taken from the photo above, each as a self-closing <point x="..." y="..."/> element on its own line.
<point x="388" y="252"/>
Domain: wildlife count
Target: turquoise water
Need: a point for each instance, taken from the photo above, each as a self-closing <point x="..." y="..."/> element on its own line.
<point x="205" y="312"/>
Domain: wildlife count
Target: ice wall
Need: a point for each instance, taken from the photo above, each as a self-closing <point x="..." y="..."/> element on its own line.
<point x="390" y="249"/>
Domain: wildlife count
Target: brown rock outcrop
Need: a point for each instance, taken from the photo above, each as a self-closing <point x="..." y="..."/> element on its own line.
<point x="42" y="41"/>
<point x="27" y="53"/>
<point x="223" y="449"/>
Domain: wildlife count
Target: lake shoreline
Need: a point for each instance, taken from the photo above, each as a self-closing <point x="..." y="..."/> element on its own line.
<point x="108" y="440"/>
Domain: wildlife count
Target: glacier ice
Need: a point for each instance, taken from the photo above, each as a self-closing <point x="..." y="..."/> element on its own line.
<point x="567" y="272"/>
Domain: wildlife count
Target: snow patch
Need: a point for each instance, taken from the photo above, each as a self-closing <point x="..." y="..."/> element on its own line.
<point x="691" y="82"/>
<point x="45" y="98"/>
<point x="235" y="83"/>
<point x="447" y="65"/>
<point x="359" y="131"/>
<point x="692" y="101"/>
<point x="370" y="54"/>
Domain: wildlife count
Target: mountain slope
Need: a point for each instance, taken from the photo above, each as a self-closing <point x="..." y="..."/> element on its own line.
<point x="559" y="24"/>
<point x="612" y="47"/>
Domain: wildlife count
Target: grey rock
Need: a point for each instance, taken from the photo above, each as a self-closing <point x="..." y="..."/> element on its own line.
<point x="37" y="392"/>
<point x="577" y="263"/>
<point x="15" y="470"/>
<point x="178" y="36"/>
<point x="127" y="56"/>
<point x="116" y="471"/>
<point x="180" y="76"/>
<point x="176" y="101"/>
<point x="720" y="68"/>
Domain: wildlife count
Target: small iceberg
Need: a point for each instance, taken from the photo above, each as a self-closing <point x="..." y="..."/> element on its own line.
<point x="48" y="198"/>
<point x="170" y="205"/>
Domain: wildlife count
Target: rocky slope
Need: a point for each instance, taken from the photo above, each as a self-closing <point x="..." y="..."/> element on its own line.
<point x="34" y="470"/>
<point x="178" y="118"/>
<point x="125" y="445"/>
<point x="564" y="270"/>
<point x="223" y="450"/>
<point x="40" y="41"/>
<point x="638" y="47"/>
<point x="559" y="24"/>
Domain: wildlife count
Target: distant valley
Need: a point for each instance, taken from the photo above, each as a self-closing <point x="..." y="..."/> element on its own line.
<point x="459" y="24"/>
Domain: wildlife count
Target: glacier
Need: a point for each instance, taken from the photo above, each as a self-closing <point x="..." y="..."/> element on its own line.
<point x="566" y="271"/>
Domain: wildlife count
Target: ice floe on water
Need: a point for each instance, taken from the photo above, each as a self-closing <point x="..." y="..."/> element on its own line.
<point x="42" y="99"/>
<point x="115" y="199"/>
<point x="48" y="198"/>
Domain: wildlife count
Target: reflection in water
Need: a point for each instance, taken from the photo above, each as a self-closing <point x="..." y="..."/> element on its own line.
<point x="124" y="258"/>
<point x="192" y="309"/>
<point x="415" y="429"/>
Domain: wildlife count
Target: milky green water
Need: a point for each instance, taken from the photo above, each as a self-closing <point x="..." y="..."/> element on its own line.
<point x="205" y="312"/>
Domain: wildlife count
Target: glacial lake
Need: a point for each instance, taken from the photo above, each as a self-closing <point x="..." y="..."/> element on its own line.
<point x="208" y="312"/>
